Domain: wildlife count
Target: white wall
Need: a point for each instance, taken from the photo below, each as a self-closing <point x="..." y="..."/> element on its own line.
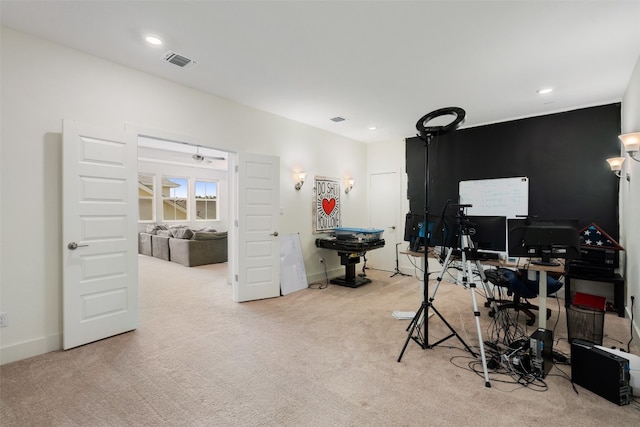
<point x="43" y="83"/>
<point x="630" y="199"/>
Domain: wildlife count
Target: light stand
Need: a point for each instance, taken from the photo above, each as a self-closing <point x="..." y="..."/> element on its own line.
<point x="421" y="316"/>
<point x="426" y="133"/>
<point x="397" y="271"/>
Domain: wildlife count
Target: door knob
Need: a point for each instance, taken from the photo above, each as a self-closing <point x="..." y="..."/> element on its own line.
<point x="275" y="233"/>
<point x="73" y="246"/>
<point x="393" y="227"/>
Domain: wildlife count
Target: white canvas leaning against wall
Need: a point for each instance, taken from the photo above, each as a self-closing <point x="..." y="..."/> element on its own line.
<point x="293" y="276"/>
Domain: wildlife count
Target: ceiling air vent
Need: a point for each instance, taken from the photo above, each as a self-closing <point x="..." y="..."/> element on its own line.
<point x="338" y="119"/>
<point x="179" y="60"/>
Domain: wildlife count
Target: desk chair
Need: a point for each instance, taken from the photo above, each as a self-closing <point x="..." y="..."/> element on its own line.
<point x="521" y="289"/>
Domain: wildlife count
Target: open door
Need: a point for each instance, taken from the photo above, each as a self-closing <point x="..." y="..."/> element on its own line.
<point x="100" y="266"/>
<point x="257" y="264"/>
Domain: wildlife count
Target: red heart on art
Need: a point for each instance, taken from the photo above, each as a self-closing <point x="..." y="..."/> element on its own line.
<point x="328" y="205"/>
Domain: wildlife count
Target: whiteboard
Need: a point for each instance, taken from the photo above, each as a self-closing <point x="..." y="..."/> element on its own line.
<point x="496" y="197"/>
<point x="293" y="276"/>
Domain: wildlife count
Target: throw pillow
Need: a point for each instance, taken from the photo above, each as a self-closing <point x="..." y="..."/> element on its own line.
<point x="153" y="228"/>
<point x="182" y="233"/>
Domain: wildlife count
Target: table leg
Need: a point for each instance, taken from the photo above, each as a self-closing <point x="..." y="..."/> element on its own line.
<point x="542" y="300"/>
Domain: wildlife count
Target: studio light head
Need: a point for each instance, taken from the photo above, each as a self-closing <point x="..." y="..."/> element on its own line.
<point x="426" y="132"/>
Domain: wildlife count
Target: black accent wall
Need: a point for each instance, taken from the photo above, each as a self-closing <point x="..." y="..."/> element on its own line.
<point x="564" y="155"/>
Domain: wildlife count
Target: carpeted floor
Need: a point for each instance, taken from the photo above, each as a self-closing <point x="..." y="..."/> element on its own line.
<point x="317" y="357"/>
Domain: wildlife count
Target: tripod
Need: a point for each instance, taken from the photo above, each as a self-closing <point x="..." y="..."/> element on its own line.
<point x="397" y="270"/>
<point x="467" y="251"/>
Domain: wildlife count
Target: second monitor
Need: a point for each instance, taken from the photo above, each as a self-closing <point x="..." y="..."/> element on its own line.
<point x="544" y="238"/>
<point x="488" y="233"/>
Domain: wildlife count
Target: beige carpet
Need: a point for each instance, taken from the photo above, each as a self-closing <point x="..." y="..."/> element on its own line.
<point x="312" y="358"/>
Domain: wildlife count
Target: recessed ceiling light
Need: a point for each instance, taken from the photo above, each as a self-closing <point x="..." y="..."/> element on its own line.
<point x="372" y="128"/>
<point x="338" y="119"/>
<point x="153" y="40"/>
<point x="545" y="90"/>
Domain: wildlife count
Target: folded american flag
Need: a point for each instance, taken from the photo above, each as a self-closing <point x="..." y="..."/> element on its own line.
<point x="594" y="237"/>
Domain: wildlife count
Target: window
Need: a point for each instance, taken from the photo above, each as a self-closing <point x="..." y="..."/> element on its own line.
<point x="145" y="197"/>
<point x="174" y="199"/>
<point x="206" y="200"/>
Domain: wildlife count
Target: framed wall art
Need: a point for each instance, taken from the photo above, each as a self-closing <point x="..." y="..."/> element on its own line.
<point x="326" y="205"/>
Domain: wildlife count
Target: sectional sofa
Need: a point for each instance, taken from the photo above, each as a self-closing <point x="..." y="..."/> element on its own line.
<point x="184" y="245"/>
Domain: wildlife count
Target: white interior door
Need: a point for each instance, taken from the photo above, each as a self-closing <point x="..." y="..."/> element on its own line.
<point x="100" y="266"/>
<point x="257" y="265"/>
<point x="384" y="207"/>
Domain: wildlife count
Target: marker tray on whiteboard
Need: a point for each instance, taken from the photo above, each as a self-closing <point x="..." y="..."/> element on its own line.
<point x="362" y="234"/>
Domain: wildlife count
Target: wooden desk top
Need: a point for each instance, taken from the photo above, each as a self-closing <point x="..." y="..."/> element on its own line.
<point x="524" y="264"/>
<point x="419" y="254"/>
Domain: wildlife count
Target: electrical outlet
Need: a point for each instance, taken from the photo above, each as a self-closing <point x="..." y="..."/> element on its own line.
<point x="4" y="321"/>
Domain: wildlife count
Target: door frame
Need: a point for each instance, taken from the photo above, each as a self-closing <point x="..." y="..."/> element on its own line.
<point x="232" y="191"/>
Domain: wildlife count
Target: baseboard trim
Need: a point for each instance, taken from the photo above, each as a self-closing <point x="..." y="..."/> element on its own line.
<point x="26" y="349"/>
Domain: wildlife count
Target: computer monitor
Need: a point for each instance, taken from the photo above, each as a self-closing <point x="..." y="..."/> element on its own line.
<point x="545" y="238"/>
<point x="412" y="226"/>
<point x="444" y="231"/>
<point x="415" y="231"/>
<point x="488" y="233"/>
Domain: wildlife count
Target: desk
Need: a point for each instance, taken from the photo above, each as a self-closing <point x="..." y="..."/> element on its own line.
<point x="349" y="251"/>
<point x="542" y="280"/>
<point x="618" y="288"/>
<point x="414" y="254"/>
<point x="542" y="290"/>
<point x="542" y="283"/>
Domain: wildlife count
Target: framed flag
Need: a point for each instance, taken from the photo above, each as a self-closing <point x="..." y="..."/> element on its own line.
<point x="326" y="205"/>
<point x="595" y="237"/>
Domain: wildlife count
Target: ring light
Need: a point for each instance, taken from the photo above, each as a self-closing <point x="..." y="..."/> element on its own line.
<point x="427" y="131"/>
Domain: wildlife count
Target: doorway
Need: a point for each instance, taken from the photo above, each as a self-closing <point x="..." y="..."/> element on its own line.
<point x="100" y="214"/>
<point x="247" y="202"/>
<point x="196" y="179"/>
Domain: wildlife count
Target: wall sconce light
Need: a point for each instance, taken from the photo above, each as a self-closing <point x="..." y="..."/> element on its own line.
<point x="301" y="176"/>
<point x="349" y="186"/>
<point x="615" y="163"/>
<point x="631" y="142"/>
